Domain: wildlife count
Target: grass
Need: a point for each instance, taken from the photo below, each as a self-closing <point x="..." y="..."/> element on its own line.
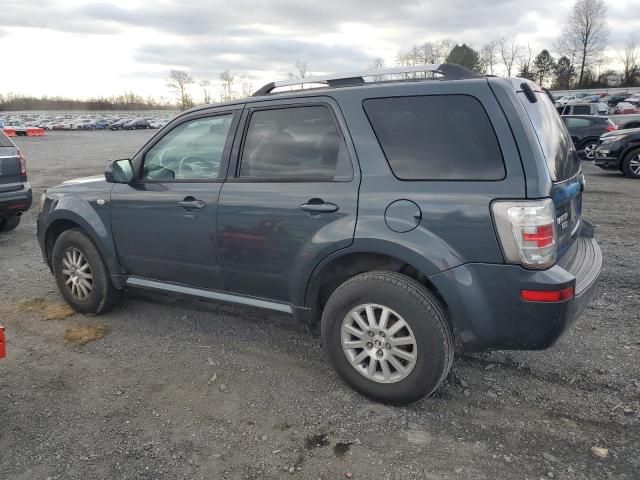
<point x="84" y="334"/>
<point x="51" y="311"/>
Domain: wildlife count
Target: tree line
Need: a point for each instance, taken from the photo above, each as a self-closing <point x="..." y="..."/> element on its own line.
<point x="126" y="101"/>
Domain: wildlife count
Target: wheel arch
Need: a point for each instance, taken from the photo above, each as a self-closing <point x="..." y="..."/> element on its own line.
<point x="337" y="268"/>
<point x="61" y="220"/>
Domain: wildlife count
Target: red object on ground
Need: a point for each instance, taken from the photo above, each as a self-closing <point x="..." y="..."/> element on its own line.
<point x="35" y="132"/>
<point x="3" y="347"/>
<point x="9" y="132"/>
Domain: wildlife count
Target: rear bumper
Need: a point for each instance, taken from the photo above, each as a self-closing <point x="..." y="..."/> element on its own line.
<point x="15" y="201"/>
<point x="488" y="313"/>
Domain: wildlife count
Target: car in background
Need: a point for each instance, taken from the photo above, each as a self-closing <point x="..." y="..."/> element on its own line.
<point x="633" y="99"/>
<point x="137" y="124"/>
<point x="580" y="109"/>
<point x="15" y="192"/>
<point x="625" y="108"/>
<point x="566" y="100"/>
<point x="118" y="124"/>
<point x="616" y="99"/>
<point x="84" y="124"/>
<point x="102" y="124"/>
<point x="620" y="150"/>
<point x="585" y="131"/>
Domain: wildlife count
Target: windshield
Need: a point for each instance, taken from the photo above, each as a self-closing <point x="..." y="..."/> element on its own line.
<point x="553" y="136"/>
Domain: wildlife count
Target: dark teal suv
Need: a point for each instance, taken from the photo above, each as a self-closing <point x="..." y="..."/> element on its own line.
<point x="410" y="212"/>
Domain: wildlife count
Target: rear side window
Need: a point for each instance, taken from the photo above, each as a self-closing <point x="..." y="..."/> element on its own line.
<point x="4" y="140"/>
<point x="581" y="109"/>
<point x="576" y="122"/>
<point x="436" y="137"/>
<point x="295" y="143"/>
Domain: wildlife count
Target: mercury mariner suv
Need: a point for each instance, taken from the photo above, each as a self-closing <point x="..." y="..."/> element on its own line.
<point x="409" y="212"/>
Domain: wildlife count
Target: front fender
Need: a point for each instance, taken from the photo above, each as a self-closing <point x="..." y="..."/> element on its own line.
<point x="94" y="219"/>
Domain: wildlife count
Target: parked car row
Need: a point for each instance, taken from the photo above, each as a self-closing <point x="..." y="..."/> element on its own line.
<point x="85" y="121"/>
<point x="610" y="100"/>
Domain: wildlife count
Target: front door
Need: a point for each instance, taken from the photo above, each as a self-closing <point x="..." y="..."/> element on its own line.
<point x="291" y="202"/>
<point x="164" y="224"/>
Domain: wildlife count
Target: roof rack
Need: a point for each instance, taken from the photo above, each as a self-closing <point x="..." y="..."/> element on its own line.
<point x="448" y="70"/>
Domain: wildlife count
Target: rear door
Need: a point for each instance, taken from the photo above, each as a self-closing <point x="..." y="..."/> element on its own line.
<point x="11" y="169"/>
<point x="290" y="198"/>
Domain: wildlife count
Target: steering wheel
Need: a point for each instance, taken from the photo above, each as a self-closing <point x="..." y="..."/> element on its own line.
<point x="184" y="166"/>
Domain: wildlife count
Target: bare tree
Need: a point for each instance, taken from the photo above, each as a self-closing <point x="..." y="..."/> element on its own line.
<point x="227" y="91"/>
<point x="206" y="93"/>
<point x="302" y="71"/>
<point x="247" y="87"/>
<point x="585" y="34"/>
<point x="179" y="81"/>
<point x="525" y="62"/>
<point x="377" y="64"/>
<point x="629" y="58"/>
<point x="489" y="57"/>
<point x="509" y="52"/>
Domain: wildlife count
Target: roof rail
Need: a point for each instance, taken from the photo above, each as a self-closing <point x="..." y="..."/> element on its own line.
<point x="448" y="70"/>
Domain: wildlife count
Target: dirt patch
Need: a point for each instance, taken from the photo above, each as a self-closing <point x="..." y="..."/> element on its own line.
<point x="51" y="311"/>
<point x="85" y="333"/>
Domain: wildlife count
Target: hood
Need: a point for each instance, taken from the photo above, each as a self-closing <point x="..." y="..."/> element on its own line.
<point x="626" y="131"/>
<point x="92" y="179"/>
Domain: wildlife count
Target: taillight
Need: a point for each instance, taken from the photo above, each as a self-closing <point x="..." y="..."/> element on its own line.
<point x="23" y="165"/>
<point x="527" y="231"/>
<point x="611" y="127"/>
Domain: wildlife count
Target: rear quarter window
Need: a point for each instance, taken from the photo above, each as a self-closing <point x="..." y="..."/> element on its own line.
<point x="553" y="137"/>
<point x="436" y="137"/>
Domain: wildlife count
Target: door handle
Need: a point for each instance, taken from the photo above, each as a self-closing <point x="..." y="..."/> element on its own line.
<point x="316" y="205"/>
<point x="190" y="203"/>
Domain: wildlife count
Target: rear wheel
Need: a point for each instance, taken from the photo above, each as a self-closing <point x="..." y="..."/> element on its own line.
<point x="81" y="275"/>
<point x="9" y="223"/>
<point x="388" y="337"/>
<point x="631" y="164"/>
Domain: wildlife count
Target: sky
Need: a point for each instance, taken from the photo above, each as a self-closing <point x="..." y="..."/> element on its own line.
<point x="84" y="48"/>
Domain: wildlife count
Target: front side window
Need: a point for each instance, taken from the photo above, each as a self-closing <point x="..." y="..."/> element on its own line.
<point x="295" y="143"/>
<point x="436" y="137"/>
<point x="191" y="151"/>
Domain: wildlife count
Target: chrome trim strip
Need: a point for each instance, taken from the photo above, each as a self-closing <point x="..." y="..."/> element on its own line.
<point x="208" y="294"/>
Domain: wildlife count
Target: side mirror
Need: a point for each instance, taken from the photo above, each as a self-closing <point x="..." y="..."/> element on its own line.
<point x="119" y="171"/>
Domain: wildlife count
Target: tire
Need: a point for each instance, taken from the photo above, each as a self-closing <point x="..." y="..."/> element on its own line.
<point x="589" y="148"/>
<point x="631" y="164"/>
<point x="426" y="325"/>
<point x="102" y="295"/>
<point x="9" y="223"/>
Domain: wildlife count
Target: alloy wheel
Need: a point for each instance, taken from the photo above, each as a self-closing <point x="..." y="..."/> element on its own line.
<point x="76" y="272"/>
<point x="590" y="150"/>
<point x="634" y="165"/>
<point x="379" y="343"/>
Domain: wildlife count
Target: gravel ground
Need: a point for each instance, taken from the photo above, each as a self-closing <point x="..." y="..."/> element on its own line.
<point x="183" y="389"/>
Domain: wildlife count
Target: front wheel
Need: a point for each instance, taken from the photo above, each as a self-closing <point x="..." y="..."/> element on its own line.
<point x="81" y="275"/>
<point x="589" y="149"/>
<point x="388" y="337"/>
<point x="631" y="164"/>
